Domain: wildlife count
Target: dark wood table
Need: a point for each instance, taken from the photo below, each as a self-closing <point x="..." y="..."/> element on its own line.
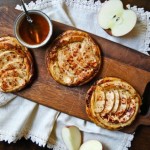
<point x="7" y="17"/>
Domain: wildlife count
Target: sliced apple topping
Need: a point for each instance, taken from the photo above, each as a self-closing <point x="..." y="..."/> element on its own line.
<point x="114" y="17"/>
<point x="100" y="96"/>
<point x="109" y="102"/>
<point x="116" y="103"/>
<point x="123" y="103"/>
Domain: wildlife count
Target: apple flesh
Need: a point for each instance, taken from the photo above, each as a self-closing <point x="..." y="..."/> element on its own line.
<point x="114" y="17"/>
<point x="72" y="137"/>
<point x="91" y="145"/>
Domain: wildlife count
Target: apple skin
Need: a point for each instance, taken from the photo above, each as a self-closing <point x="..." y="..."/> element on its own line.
<point x="108" y="31"/>
<point x="133" y="16"/>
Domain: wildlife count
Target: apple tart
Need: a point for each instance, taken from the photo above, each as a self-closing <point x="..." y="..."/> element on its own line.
<point x="16" y="67"/>
<point x="73" y="59"/>
<point x="112" y="103"/>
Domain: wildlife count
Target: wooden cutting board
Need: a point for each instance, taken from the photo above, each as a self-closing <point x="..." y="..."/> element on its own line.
<point x="117" y="61"/>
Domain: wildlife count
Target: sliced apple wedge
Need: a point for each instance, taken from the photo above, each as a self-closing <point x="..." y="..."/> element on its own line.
<point x="114" y="17"/>
<point x="91" y="145"/>
<point x="72" y="137"/>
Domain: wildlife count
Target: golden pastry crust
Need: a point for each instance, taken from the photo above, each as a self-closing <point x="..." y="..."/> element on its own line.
<point x="73" y="59"/>
<point x="16" y="65"/>
<point x="112" y="103"/>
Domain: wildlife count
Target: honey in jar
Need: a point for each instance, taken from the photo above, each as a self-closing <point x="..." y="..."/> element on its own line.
<point x="35" y="32"/>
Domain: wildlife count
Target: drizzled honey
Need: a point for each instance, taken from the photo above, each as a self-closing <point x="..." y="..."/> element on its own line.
<point x="36" y="32"/>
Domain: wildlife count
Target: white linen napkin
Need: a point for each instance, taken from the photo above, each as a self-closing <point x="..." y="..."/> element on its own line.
<point x="23" y="118"/>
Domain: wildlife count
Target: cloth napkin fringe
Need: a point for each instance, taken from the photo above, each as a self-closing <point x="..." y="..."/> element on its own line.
<point x="52" y="144"/>
<point x="37" y="140"/>
<point x="7" y="138"/>
<point x="13" y="138"/>
<point x="127" y="142"/>
<point x="42" y="4"/>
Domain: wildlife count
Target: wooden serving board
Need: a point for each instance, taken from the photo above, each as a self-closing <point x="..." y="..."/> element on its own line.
<point x="117" y="61"/>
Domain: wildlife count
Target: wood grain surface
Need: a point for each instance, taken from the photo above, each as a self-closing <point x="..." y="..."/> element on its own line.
<point x="115" y="63"/>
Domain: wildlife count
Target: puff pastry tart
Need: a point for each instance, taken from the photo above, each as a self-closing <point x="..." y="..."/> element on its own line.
<point x="112" y="103"/>
<point x="16" y="68"/>
<point x="73" y="59"/>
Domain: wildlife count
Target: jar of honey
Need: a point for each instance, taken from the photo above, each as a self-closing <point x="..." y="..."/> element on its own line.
<point x="35" y="34"/>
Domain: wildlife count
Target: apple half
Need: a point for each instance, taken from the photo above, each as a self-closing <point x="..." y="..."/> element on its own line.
<point x="114" y="17"/>
<point x="72" y="137"/>
<point x="91" y="145"/>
